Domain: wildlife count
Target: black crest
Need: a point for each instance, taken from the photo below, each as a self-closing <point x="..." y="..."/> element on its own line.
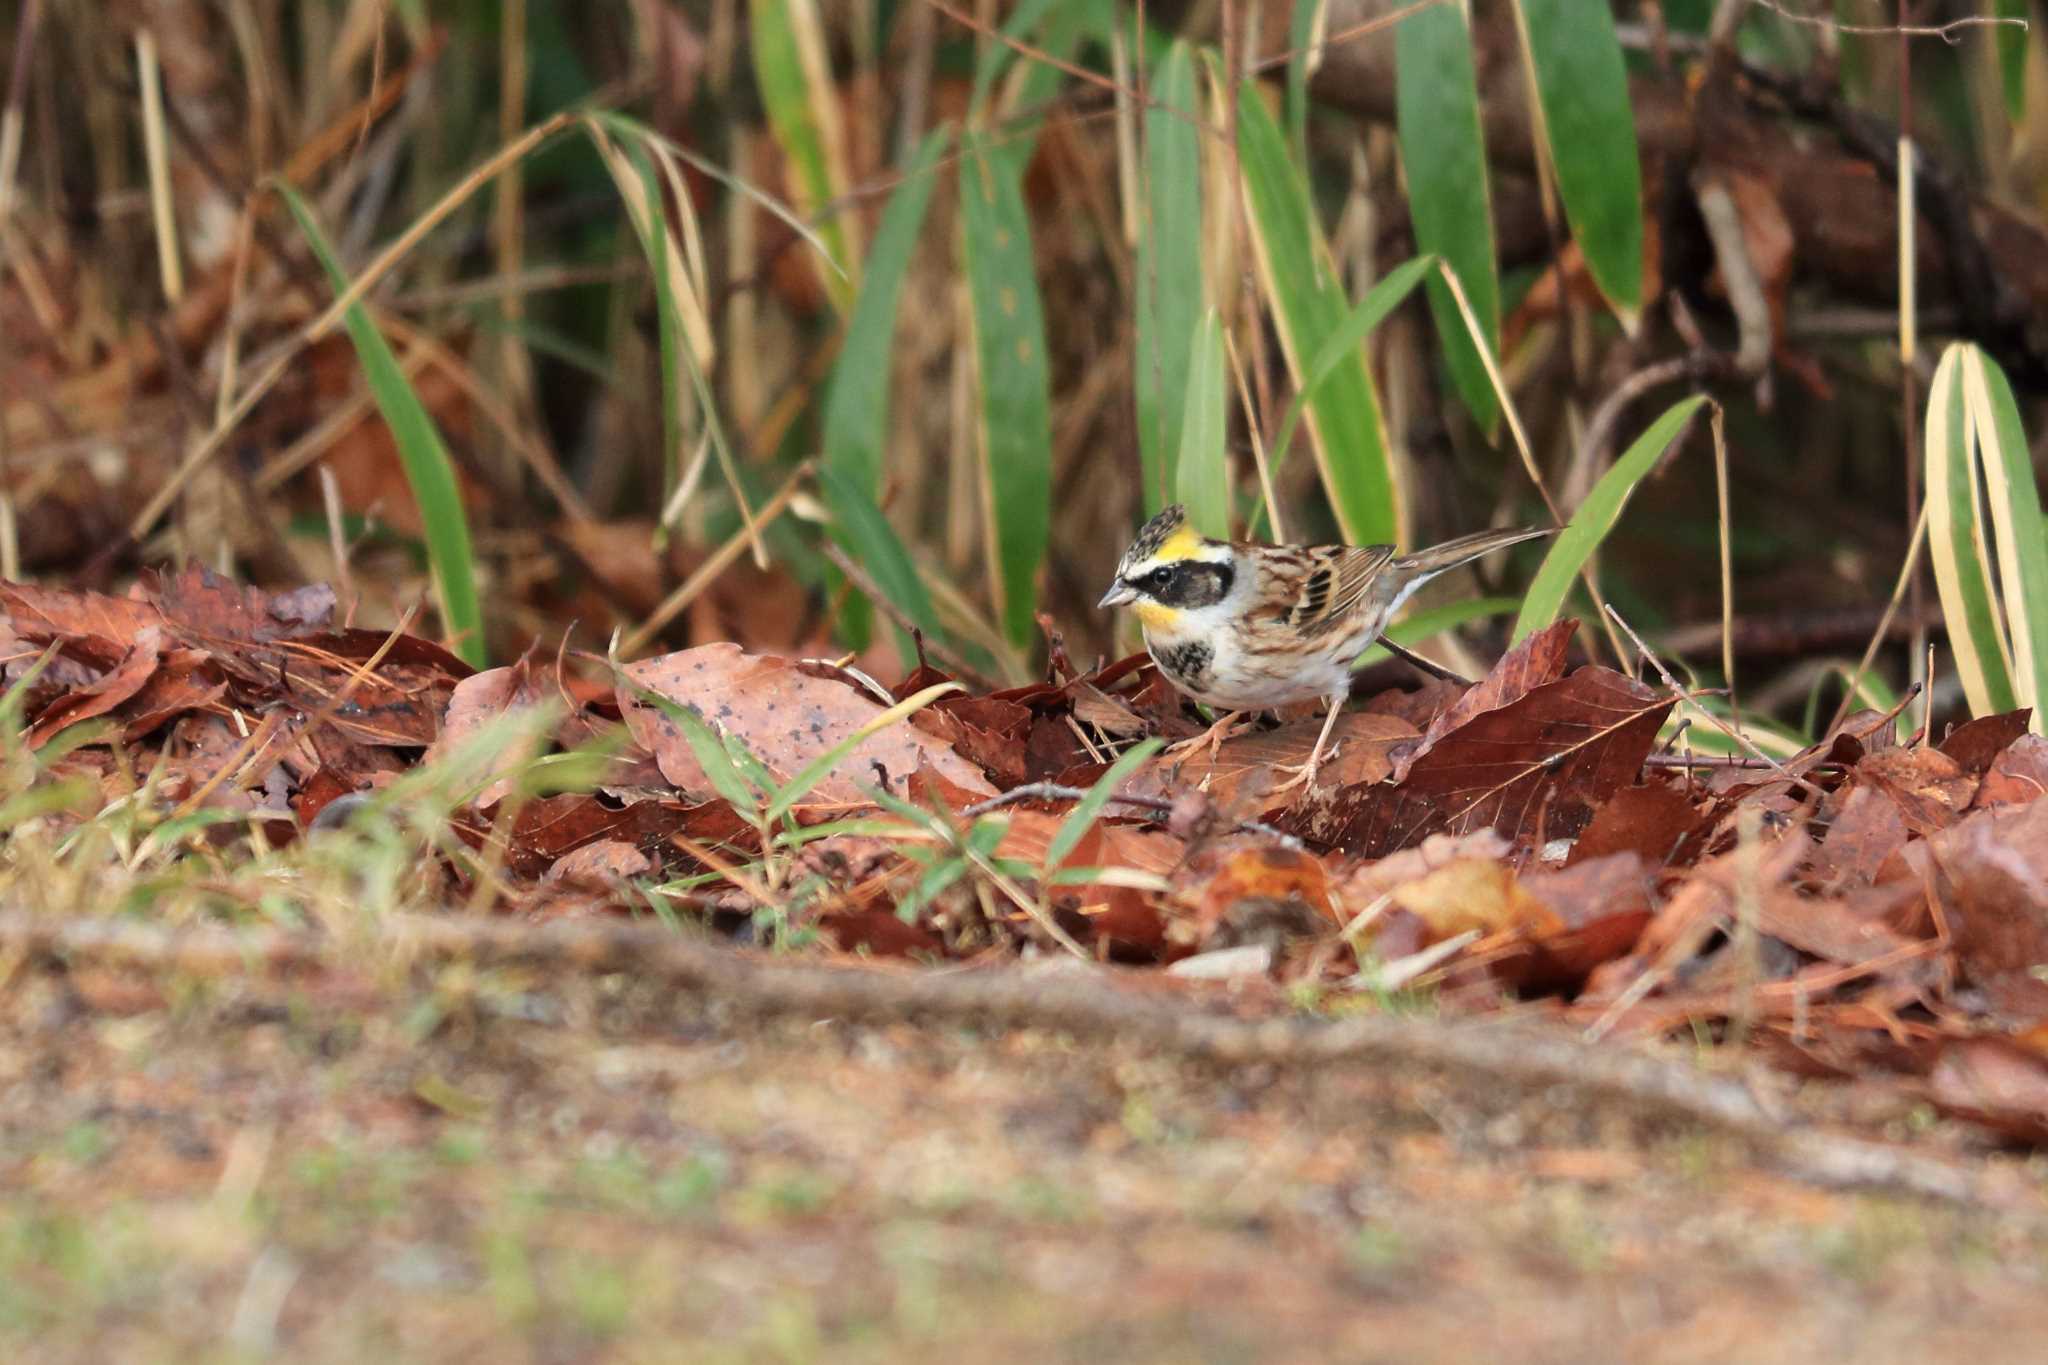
<point x="1154" y="533"/>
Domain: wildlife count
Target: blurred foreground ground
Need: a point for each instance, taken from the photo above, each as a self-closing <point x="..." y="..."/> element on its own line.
<point x="508" y="1171"/>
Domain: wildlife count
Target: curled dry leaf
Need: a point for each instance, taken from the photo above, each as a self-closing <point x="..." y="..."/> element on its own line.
<point x="1990" y="875"/>
<point x="787" y="717"/>
<point x="1233" y="890"/>
<point x="2001" y="1083"/>
<point x="475" y="703"/>
<point x="113" y="688"/>
<point x="601" y="865"/>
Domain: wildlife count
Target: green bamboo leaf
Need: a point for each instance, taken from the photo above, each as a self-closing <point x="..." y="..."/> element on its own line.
<point x="1590" y="130"/>
<point x="856" y="420"/>
<point x="1090" y="806"/>
<point x="1341" y="346"/>
<point x="803" y="109"/>
<point x="868" y="538"/>
<point x="2015" y="504"/>
<point x="1955" y="543"/>
<point x="857" y="401"/>
<point x="1596" y="516"/>
<point x="995" y="57"/>
<point x="1300" y="282"/>
<point x="1443" y="153"/>
<point x="1204" y="471"/>
<point x="1302" y="27"/>
<point x="1009" y="341"/>
<point x="1170" y="279"/>
<point x="428" y="469"/>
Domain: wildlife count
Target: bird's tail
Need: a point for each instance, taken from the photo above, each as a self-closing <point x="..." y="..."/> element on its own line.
<point x="1412" y="571"/>
<point x="1424" y="564"/>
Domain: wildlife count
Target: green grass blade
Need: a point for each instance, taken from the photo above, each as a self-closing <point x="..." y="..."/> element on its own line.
<point x="935" y="880"/>
<point x="2015" y="503"/>
<point x="1596" y="516"/>
<point x="1302" y="27"/>
<point x="1590" y="129"/>
<point x="428" y="469"/>
<point x="1170" y="279"/>
<point x="1204" y="471"/>
<point x="1301" y="285"/>
<point x="1443" y="153"/>
<point x="1955" y="542"/>
<point x="820" y="767"/>
<point x="2012" y="41"/>
<point x="994" y="57"/>
<point x="803" y="108"/>
<point x="868" y="538"/>
<point x="856" y="418"/>
<point x="712" y="756"/>
<point x="1068" y="835"/>
<point x="1341" y="346"/>
<point x="1016" y="411"/>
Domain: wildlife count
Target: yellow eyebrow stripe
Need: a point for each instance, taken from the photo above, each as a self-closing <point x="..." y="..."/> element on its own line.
<point x="1180" y="544"/>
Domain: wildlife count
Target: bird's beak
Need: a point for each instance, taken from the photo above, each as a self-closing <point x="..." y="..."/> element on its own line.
<point x="1118" y="594"/>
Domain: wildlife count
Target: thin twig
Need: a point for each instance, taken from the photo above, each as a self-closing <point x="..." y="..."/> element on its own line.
<point x="937" y="648"/>
<point x="1692" y="699"/>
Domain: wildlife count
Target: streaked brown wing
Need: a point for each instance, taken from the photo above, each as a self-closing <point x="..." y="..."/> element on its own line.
<point x="1318" y="586"/>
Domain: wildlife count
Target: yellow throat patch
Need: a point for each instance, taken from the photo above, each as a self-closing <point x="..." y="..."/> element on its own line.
<point x="1157" y="616"/>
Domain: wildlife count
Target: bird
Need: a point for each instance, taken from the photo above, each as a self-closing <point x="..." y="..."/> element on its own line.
<point x="1242" y="626"/>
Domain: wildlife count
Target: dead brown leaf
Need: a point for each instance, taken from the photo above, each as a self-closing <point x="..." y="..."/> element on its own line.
<point x="787" y="717"/>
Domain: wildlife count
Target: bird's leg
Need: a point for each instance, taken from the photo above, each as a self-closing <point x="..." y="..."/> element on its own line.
<point x="1211" y="738"/>
<point x="1305" y="773"/>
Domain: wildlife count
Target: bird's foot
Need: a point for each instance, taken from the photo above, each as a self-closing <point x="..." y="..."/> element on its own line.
<point x="1304" y="774"/>
<point x="1210" y="739"/>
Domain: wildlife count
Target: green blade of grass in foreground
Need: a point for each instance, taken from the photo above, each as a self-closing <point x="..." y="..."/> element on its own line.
<point x="1443" y="155"/>
<point x="1068" y="836"/>
<point x="2015" y="504"/>
<point x="1590" y="131"/>
<point x="1203" y="481"/>
<point x="1596" y="516"/>
<point x="428" y="469"/>
<point x="1300" y="283"/>
<point x="1168" y="262"/>
<point x="803" y="108"/>
<point x="856" y="420"/>
<point x="820" y="767"/>
<point x="1016" y="413"/>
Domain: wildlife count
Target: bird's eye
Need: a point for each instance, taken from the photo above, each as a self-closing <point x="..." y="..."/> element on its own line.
<point x="1157" y="578"/>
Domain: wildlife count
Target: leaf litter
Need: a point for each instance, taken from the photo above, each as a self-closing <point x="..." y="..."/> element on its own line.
<point x="1867" y="909"/>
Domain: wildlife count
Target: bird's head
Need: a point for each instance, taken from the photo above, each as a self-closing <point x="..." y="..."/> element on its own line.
<point x="1171" y="569"/>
